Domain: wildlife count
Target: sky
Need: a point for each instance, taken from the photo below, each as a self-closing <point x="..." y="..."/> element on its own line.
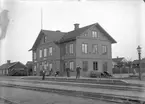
<point x="122" y="19"/>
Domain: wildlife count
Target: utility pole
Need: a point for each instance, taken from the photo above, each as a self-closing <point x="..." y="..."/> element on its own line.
<point x="139" y="56"/>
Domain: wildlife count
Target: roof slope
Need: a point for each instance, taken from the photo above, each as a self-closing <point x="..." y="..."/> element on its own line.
<point x="53" y="36"/>
<point x="9" y="65"/>
<point x="5" y="66"/>
<point x="73" y="34"/>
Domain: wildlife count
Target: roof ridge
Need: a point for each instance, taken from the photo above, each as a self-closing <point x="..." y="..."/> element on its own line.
<point x="52" y="31"/>
<point x="84" y="27"/>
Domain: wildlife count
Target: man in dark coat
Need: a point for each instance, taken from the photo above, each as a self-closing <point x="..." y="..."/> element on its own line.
<point x="56" y="73"/>
<point x="68" y="72"/>
<point x="78" y="69"/>
<point x="43" y="74"/>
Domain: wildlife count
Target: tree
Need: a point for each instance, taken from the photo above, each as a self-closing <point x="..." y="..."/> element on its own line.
<point x="129" y="64"/>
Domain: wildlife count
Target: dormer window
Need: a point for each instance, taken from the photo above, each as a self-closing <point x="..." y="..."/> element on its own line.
<point x="94" y="34"/>
<point x="45" y="39"/>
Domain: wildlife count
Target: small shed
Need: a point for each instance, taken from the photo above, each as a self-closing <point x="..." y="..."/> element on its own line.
<point x="13" y="69"/>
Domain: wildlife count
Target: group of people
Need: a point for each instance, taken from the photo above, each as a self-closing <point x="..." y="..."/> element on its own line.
<point x="78" y="69"/>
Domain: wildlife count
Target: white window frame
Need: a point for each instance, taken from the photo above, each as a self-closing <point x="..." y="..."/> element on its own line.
<point x="45" y="39"/>
<point x="95" y="48"/>
<point x="84" y="48"/>
<point x="50" y="51"/>
<point x="45" y="52"/>
<point x="104" y="49"/>
<point x="94" y="34"/>
<point x="40" y="53"/>
<point x="71" y="65"/>
<point x="71" y="48"/>
<point x="34" y="55"/>
<point x="66" y="51"/>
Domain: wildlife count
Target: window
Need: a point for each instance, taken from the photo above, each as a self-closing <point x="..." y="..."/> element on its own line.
<point x="40" y="53"/>
<point x="94" y="34"/>
<point x="85" y="66"/>
<point x="34" y="55"/>
<point x="84" y="48"/>
<point x="65" y="65"/>
<point x="95" y="65"/>
<point x="104" y="49"/>
<point x="71" y="65"/>
<point x="40" y="66"/>
<point x="45" y="52"/>
<point x="95" y="48"/>
<point x="86" y="33"/>
<point x="66" y="52"/>
<point x="50" y="51"/>
<point x="71" y="48"/>
<point x="45" y="65"/>
<point x="35" y="68"/>
<point x="45" y="39"/>
<point x="50" y="66"/>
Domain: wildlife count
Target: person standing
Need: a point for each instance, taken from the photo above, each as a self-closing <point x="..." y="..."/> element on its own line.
<point x="68" y="72"/>
<point x="78" y="69"/>
<point x="43" y="74"/>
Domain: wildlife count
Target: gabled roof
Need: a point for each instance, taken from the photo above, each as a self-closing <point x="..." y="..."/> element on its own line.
<point x="53" y="36"/>
<point x="6" y="66"/>
<point x="73" y="34"/>
<point x="61" y="37"/>
<point x="9" y="65"/>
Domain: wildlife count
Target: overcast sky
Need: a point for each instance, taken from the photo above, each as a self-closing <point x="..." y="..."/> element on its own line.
<point x="123" y="20"/>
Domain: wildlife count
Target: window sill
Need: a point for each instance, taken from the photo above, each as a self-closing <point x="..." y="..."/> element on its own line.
<point x="95" y="53"/>
<point x="84" y="53"/>
<point x="104" y="53"/>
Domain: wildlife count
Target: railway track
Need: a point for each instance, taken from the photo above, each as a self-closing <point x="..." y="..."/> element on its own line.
<point x="7" y="101"/>
<point x="89" y="95"/>
<point x="91" y="81"/>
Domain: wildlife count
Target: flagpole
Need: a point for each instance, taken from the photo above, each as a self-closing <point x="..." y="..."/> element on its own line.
<point x="0" y="4"/>
<point x="41" y="18"/>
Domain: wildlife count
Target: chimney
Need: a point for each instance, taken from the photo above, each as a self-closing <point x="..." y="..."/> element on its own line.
<point x="8" y="61"/>
<point x="76" y="26"/>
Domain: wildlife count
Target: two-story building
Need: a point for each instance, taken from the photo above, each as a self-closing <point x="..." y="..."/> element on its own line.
<point x="89" y="47"/>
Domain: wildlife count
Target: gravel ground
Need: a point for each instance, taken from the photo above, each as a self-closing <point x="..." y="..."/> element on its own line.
<point x="33" y="97"/>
